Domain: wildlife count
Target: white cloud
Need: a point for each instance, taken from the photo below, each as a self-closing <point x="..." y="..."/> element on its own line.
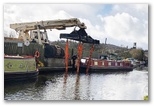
<point x="124" y="22"/>
<point x="129" y="23"/>
<point x="62" y="14"/>
<point x="124" y="27"/>
<point x="136" y="10"/>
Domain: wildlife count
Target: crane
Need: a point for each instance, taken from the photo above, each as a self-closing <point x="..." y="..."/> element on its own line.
<point x="41" y="37"/>
<point x="35" y="27"/>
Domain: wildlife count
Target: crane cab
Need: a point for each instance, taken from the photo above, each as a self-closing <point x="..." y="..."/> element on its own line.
<point x="34" y="35"/>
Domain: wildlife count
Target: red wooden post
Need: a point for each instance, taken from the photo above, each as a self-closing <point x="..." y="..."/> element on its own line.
<point x="66" y="56"/>
<point x="80" y="47"/>
<point x="89" y="60"/>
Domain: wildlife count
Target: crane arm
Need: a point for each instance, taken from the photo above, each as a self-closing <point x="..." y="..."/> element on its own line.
<point x="50" y="24"/>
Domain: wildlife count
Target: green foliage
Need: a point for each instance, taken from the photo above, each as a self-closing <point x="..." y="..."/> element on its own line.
<point x="125" y="54"/>
<point x="145" y="97"/>
<point x="103" y="49"/>
<point x="137" y="54"/>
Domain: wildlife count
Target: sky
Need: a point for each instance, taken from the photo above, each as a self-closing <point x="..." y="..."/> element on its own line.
<point x="121" y="24"/>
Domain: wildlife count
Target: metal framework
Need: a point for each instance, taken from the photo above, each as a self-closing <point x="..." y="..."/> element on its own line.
<point x="24" y="28"/>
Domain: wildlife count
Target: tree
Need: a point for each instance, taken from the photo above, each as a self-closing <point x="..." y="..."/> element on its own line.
<point x="125" y="54"/>
<point x="137" y="54"/>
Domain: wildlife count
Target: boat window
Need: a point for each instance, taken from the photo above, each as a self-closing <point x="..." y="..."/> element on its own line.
<point x="109" y="63"/>
<point x="103" y="63"/>
<point x="116" y="64"/>
<point x="10" y="65"/>
<point x="21" y="66"/>
<point x="121" y="64"/>
<point x="20" y="44"/>
<point x="95" y="63"/>
<point x="83" y="60"/>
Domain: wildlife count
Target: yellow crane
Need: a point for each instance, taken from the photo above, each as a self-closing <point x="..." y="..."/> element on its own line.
<point x="36" y="27"/>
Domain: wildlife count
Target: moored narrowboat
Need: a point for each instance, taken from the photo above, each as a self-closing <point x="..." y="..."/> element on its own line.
<point x="105" y="65"/>
<point x="19" y="68"/>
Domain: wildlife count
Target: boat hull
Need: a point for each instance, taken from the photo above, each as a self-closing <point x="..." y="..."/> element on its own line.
<point x="100" y="65"/>
<point x="20" y="76"/>
<point x="20" y="68"/>
<point x="106" y="69"/>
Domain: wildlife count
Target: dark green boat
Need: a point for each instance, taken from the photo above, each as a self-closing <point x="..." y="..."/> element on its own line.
<point x="19" y="68"/>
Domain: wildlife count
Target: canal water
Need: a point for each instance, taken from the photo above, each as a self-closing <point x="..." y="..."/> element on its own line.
<point x="70" y="86"/>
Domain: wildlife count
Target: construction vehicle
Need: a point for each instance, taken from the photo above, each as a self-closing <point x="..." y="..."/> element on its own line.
<point x="35" y="32"/>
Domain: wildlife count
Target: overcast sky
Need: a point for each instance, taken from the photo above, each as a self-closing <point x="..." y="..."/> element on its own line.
<point x="121" y="24"/>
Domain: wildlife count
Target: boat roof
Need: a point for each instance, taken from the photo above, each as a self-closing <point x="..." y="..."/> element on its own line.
<point x="17" y="57"/>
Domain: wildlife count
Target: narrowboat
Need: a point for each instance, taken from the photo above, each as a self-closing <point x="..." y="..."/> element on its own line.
<point x="19" y="68"/>
<point x="99" y="65"/>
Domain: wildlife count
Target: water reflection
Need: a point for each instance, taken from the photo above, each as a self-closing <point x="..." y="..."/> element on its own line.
<point x="71" y="86"/>
<point x="77" y="84"/>
<point x="64" y="84"/>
